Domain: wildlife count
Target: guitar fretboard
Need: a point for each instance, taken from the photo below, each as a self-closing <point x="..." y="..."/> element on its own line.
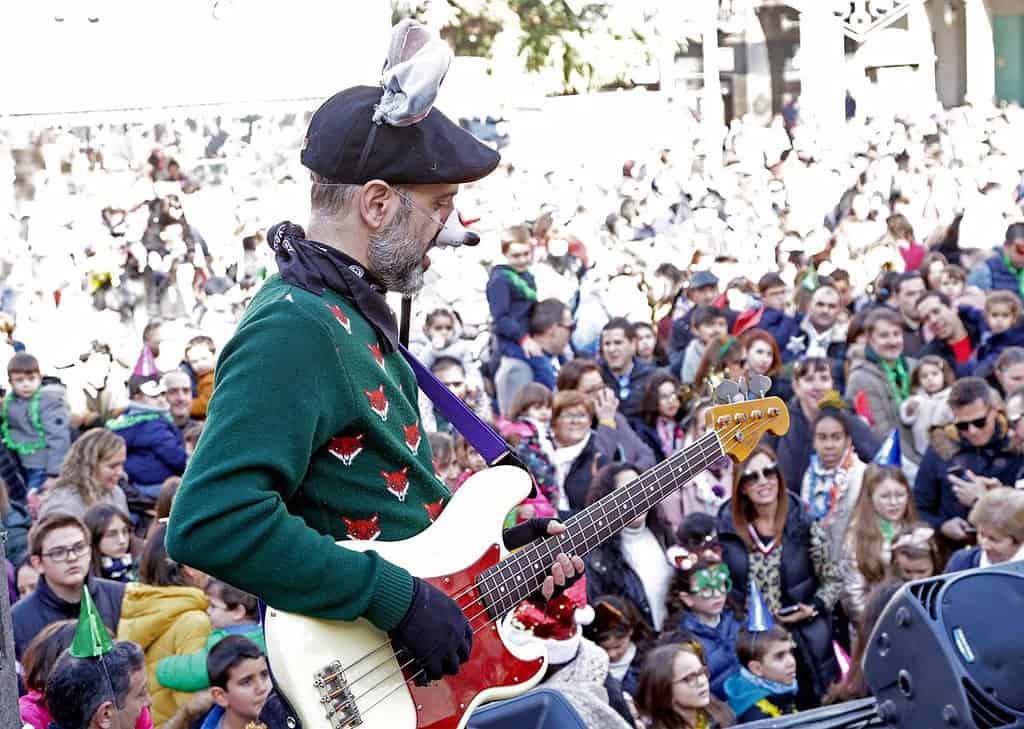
<point x="507" y="583"/>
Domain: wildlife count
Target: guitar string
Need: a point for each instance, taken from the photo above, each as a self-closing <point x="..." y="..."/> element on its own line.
<point x="482" y="627"/>
<point x="702" y="443"/>
<point x="468" y="590"/>
<point x="717" y="441"/>
<point x="685" y="458"/>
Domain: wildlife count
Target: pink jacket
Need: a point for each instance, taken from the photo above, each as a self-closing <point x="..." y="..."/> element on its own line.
<point x="34" y="712"/>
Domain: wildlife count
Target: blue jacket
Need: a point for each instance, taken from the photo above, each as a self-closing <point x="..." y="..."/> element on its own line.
<point x="155" y="448"/>
<point x="35" y="611"/>
<point x="983" y="361"/>
<point x="933" y="493"/>
<point x="510" y="310"/>
<point x="719" y="644"/>
<point x="974" y="323"/>
<point x="994" y="275"/>
<point x="744" y="696"/>
<point x="781" y="327"/>
<point x="544" y="370"/>
<point x="964" y="559"/>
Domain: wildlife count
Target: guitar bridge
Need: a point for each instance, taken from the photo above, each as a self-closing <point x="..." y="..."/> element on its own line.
<point x="336" y="697"/>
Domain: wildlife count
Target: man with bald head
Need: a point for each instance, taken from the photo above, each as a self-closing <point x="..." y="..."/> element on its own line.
<point x="179" y="398"/>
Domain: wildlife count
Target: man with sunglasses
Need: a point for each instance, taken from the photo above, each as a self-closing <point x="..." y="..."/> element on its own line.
<point x="59" y="549"/>
<point x="956" y="471"/>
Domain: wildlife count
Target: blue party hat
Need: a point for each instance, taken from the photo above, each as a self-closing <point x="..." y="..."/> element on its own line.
<point x="890" y="454"/>
<point x="759" y="617"/>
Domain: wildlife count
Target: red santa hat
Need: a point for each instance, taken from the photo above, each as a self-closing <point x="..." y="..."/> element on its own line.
<point x="557" y="623"/>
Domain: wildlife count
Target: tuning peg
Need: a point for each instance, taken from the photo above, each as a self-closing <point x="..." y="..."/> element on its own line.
<point x="759" y="385"/>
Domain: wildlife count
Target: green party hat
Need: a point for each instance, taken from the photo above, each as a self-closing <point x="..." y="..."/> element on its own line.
<point x="91" y="637"/>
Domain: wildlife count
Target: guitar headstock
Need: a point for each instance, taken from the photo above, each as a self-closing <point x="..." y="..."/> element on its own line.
<point x="740" y="425"/>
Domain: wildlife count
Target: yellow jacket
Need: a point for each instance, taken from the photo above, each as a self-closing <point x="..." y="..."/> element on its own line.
<point x="164" y="621"/>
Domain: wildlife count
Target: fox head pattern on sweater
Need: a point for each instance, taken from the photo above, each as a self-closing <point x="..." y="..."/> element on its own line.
<point x="412" y="436"/>
<point x="364" y="529"/>
<point x="341" y="316"/>
<point x="378" y="401"/>
<point x="346" y="448"/>
<point x="397" y="483"/>
<point x="377" y="355"/>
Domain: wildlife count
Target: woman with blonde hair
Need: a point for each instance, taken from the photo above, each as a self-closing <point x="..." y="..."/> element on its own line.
<point x="999" y="518"/>
<point x="884" y="509"/>
<point x="91" y="474"/>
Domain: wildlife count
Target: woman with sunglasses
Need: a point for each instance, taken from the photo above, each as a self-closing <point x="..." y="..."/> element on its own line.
<point x="767" y="537"/>
<point x="674" y="692"/>
<point x="699" y="604"/>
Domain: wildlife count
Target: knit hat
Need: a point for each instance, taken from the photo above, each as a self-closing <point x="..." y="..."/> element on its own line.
<point x="557" y="623"/>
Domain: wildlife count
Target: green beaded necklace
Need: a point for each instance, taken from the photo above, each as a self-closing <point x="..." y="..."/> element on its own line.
<point x="24" y="448"/>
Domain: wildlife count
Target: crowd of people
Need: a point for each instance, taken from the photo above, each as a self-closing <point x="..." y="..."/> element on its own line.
<point x="878" y="286"/>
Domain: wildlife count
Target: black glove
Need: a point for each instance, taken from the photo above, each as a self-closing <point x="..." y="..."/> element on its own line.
<point x="522" y="534"/>
<point x="434" y="633"/>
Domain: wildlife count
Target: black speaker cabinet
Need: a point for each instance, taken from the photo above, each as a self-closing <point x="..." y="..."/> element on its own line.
<point x="949" y="652"/>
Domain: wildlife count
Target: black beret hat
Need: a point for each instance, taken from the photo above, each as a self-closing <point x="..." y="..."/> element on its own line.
<point x="344" y="145"/>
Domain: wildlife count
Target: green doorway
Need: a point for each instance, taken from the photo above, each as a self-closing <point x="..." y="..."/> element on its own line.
<point x="1008" y="37"/>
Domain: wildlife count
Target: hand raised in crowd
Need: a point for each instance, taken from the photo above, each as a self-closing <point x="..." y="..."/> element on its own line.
<point x="956" y="529"/>
<point x="606" y="404"/>
<point x="804" y="612"/>
<point x="968" y="490"/>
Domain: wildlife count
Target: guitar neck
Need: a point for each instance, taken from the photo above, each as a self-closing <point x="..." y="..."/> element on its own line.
<point x="509" y="582"/>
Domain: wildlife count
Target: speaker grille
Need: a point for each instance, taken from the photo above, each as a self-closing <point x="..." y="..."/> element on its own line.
<point x="927" y="593"/>
<point x="985" y="712"/>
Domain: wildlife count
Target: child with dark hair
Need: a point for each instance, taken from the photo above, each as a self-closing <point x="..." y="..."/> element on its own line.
<point x="620" y="630"/>
<point x="661" y="411"/>
<point x="442" y="450"/>
<point x="673" y="691"/>
<point x="699" y="604"/>
<point x="200" y="360"/>
<point x="239" y="683"/>
<point x="35" y="420"/>
<point x="709" y="323"/>
<point x="765" y="686"/>
<point x="231" y="612"/>
<point x="528" y="428"/>
<point x="111" y="532"/>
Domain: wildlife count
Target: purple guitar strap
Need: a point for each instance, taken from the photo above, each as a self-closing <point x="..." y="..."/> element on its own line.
<point x="477" y="433"/>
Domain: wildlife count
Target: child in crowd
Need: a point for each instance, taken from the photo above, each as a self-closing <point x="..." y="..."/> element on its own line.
<point x="765" y="686"/>
<point x="832" y="481"/>
<point x="201" y="357"/>
<point x="916" y="554"/>
<point x="191" y="437"/>
<point x="953" y="281"/>
<point x="111" y="531"/>
<point x="648" y="349"/>
<point x="155" y="448"/>
<point x="35" y="422"/>
<point x="1002" y="316"/>
<point x="698" y="602"/>
<point x="928" y="406"/>
<point x="661" y="414"/>
<point x="40" y="656"/>
<point x="528" y="428"/>
<point x="620" y="630"/>
<point x="884" y="509"/>
<point x="26" y="579"/>
<point x="232" y="612"/>
<point x="240" y="683"/>
<point x="442" y="449"/>
<point x="708" y="322"/>
<point x="469" y="460"/>
<point x="673" y="691"/>
<point x="452" y="373"/>
<point x="441" y="338"/>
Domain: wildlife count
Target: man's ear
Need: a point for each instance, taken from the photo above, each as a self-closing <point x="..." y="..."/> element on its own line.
<point x="105" y="716"/>
<point x="374" y="202"/>
<point x="220" y="696"/>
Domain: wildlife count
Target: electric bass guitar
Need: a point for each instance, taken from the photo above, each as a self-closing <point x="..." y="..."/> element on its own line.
<point x="342" y="675"/>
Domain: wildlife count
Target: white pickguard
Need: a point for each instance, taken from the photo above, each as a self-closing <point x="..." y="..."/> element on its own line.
<point x="298" y="646"/>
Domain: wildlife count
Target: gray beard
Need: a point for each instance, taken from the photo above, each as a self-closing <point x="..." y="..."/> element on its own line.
<point x="394" y="256"/>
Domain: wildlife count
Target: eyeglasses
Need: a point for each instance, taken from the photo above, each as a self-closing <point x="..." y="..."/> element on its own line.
<point x="768" y="473"/>
<point x="63" y="554"/>
<point x="694" y="679"/>
<point x="964" y="425"/>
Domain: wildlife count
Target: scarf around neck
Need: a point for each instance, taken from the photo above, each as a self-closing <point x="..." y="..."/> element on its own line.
<point x="827" y="485"/>
<point x="772" y="687"/>
<point x="896" y="374"/>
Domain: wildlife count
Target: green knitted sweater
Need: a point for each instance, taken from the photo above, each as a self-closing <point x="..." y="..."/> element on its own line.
<point x="312" y="436"/>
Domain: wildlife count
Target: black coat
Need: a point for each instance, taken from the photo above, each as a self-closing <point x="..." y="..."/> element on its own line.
<point x="793" y="450"/>
<point x="581" y="474"/>
<point x="799" y="583"/>
<point x="33" y="613"/>
<point x="638" y="376"/>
